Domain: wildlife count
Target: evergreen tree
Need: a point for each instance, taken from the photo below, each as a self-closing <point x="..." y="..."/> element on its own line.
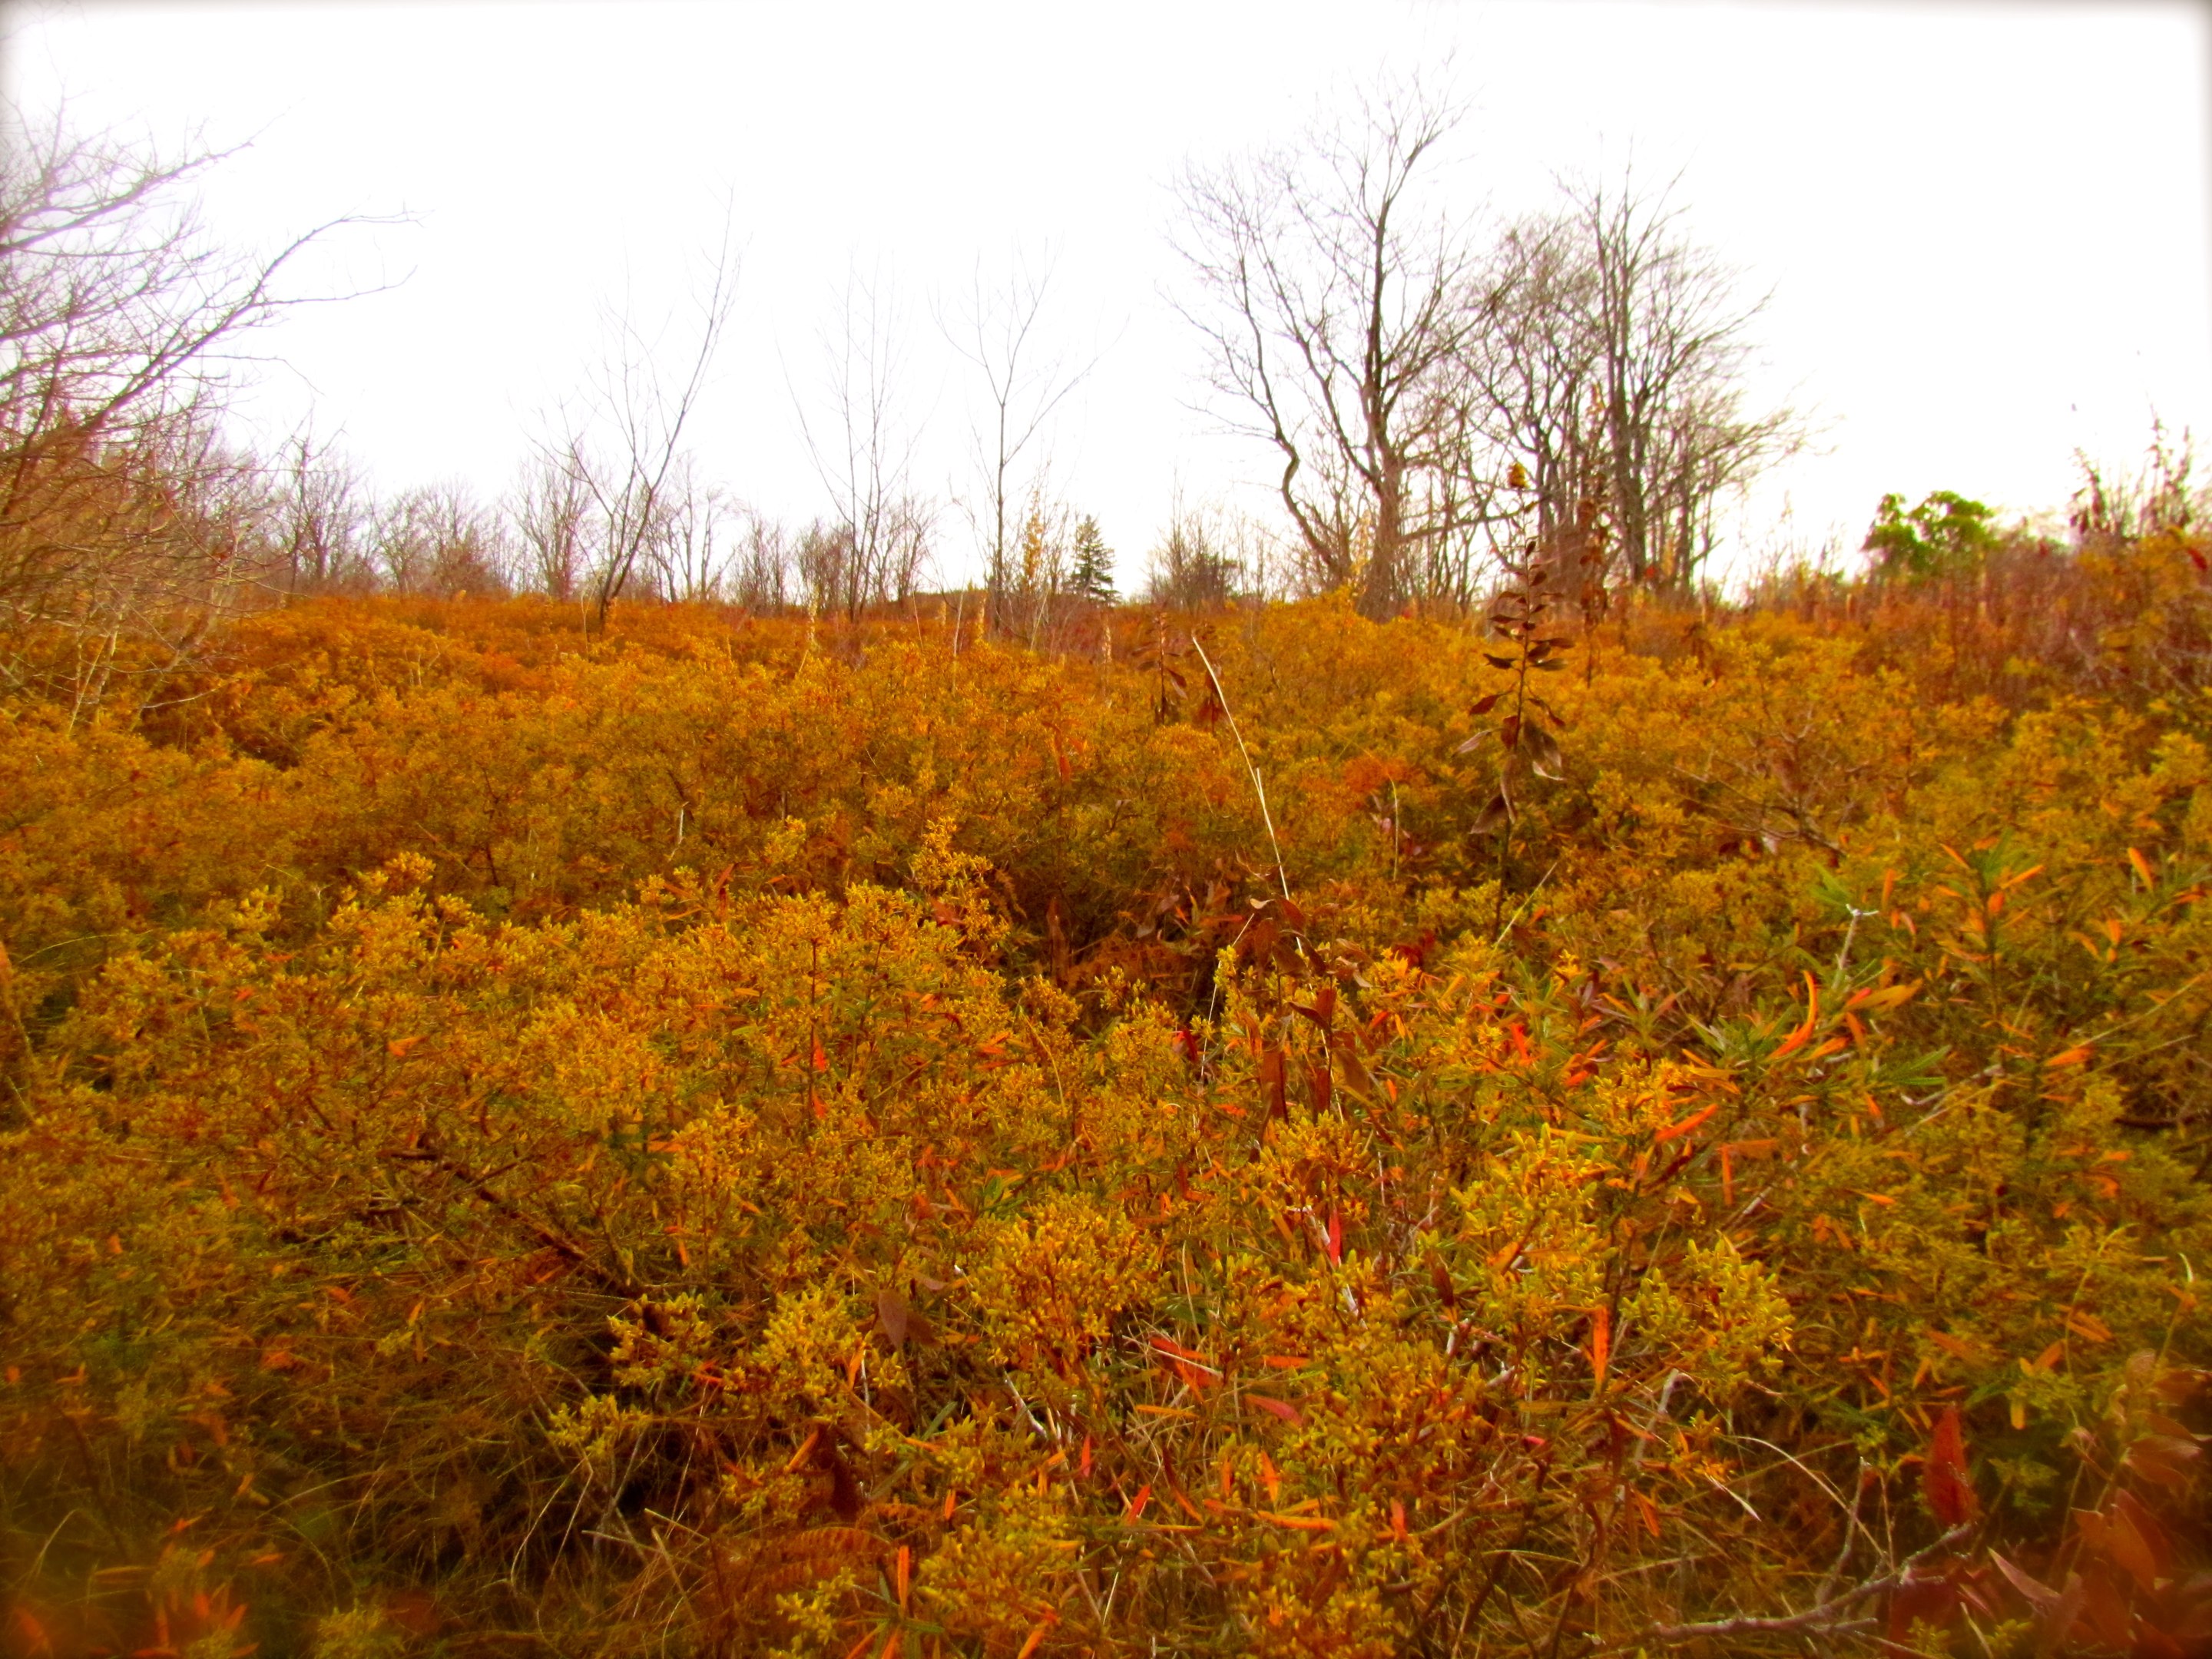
<point x="1093" y="576"/>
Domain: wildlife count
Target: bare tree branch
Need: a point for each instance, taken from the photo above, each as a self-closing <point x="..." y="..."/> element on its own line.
<point x="1337" y="312"/>
<point x="622" y="452"/>
<point x="997" y="334"/>
<point x="121" y="515"/>
<point x="878" y="542"/>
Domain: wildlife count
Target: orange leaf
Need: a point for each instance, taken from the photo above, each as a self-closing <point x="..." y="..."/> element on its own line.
<point x="1888" y="996"/>
<point x="805" y="1450"/>
<point x="1796" y="1038"/>
<point x="1646" y="1511"/>
<point x="1951" y="1346"/>
<point x="2088" y="1326"/>
<point x="1674" y="1130"/>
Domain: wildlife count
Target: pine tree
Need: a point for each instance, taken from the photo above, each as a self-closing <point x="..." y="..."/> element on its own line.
<point x="1093" y="576"/>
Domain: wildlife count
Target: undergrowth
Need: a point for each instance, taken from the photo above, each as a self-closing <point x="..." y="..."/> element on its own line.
<point x="736" y="1137"/>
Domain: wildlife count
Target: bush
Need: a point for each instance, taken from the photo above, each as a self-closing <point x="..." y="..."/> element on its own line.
<point x="730" y="1140"/>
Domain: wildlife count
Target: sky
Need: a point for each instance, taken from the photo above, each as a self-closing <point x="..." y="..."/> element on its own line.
<point x="1983" y="232"/>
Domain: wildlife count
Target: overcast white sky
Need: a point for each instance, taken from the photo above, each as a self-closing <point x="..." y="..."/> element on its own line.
<point x="1984" y="228"/>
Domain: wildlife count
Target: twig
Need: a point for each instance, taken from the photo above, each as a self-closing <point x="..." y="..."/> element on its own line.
<point x="1526" y="900"/>
<point x="1850" y="1535"/>
<point x="1258" y="788"/>
<point x="1828" y="1614"/>
<point x="548" y="1238"/>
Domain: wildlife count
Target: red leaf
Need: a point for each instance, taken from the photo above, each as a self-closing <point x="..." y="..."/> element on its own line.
<point x="1271" y="1081"/>
<point x="1927" y="1601"/>
<point x="2104" y="1608"/>
<point x="1949" y="1493"/>
<point x="2039" y="1596"/>
<point x="1336" y="1237"/>
<point x="1440" y="1276"/>
<point x="897" y="1319"/>
<point x="1280" y="1409"/>
<point x="1318" y="1079"/>
<point x="2138" y="1542"/>
<point x="2161" y="1459"/>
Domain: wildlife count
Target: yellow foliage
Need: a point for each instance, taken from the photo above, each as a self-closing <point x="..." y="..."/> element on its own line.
<point x="685" y="1140"/>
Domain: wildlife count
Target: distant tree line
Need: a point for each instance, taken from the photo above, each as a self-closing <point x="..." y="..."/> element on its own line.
<point x="1435" y="391"/>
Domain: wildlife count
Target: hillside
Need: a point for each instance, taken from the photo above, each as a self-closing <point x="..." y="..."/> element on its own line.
<point x="732" y="1135"/>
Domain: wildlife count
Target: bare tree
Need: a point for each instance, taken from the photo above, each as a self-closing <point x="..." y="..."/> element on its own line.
<point x="823" y="560"/>
<point x="622" y="452"/>
<point x="321" y="517"/>
<point x="877" y="542"/>
<point x="1534" y="373"/>
<point x="1337" y="312"/>
<point x="1195" y="566"/>
<point x="699" y="536"/>
<point x="1421" y="389"/>
<point x="1672" y="348"/>
<point x="1023" y="386"/>
<point x="439" y="539"/>
<point x="552" y="510"/>
<point x="120" y="328"/>
<point x="761" y="567"/>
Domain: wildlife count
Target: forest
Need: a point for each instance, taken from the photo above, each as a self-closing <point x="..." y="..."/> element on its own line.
<point x="1446" y="1081"/>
